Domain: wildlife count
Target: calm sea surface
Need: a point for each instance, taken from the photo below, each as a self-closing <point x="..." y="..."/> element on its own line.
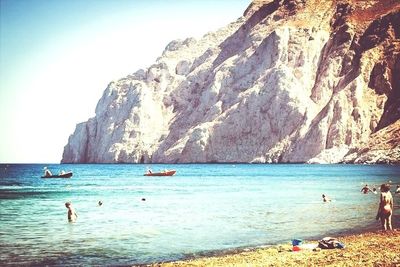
<point x="203" y="208"/>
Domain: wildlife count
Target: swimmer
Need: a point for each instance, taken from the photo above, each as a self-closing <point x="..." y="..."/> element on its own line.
<point x="325" y="198"/>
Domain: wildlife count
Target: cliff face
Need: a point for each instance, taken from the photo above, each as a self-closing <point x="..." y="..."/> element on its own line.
<point x="290" y="81"/>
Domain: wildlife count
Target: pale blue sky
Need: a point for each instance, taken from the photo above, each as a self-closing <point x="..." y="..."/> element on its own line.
<point x="57" y="57"/>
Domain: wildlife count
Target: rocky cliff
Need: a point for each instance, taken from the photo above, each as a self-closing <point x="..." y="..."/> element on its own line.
<point x="291" y="81"/>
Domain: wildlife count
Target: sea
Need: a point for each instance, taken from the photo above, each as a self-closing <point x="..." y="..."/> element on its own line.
<point x="204" y="209"/>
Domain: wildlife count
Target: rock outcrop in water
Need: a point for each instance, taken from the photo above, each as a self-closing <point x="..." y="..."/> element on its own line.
<point x="291" y="81"/>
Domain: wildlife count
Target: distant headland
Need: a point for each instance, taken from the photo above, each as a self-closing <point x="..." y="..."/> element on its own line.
<point x="289" y="81"/>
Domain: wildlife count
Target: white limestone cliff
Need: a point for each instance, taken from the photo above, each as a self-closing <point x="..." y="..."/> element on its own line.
<point x="281" y="84"/>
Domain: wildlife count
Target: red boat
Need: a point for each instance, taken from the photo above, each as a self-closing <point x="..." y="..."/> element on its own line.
<point x="164" y="173"/>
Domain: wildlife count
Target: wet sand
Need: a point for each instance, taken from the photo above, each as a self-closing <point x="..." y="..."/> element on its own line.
<point x="367" y="249"/>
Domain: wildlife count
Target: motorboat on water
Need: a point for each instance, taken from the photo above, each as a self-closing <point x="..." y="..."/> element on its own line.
<point x="61" y="175"/>
<point x="163" y="173"/>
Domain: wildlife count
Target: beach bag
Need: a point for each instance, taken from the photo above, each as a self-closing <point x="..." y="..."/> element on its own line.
<point x="330" y="243"/>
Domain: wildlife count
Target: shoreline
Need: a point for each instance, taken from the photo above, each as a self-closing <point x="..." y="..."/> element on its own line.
<point x="365" y="247"/>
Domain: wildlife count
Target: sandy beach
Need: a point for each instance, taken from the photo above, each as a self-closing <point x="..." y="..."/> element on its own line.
<point x="367" y="249"/>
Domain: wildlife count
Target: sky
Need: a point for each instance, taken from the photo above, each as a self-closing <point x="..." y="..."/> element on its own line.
<point x="58" y="56"/>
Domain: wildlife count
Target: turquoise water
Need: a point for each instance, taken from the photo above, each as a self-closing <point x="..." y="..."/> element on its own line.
<point x="203" y="208"/>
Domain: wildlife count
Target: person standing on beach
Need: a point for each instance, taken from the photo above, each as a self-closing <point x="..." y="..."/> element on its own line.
<point x="385" y="208"/>
<point x="72" y="215"/>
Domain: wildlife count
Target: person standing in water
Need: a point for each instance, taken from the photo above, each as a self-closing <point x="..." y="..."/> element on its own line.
<point x="397" y="189"/>
<point x="385" y="208"/>
<point x="365" y="189"/>
<point x="72" y="215"/>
